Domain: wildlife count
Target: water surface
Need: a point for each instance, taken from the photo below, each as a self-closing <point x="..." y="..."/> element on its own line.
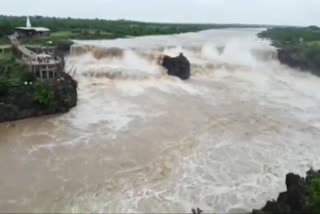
<point x="140" y="141"/>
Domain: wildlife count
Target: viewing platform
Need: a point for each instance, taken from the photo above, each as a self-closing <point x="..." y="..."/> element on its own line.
<point x="45" y="66"/>
<point x="41" y="60"/>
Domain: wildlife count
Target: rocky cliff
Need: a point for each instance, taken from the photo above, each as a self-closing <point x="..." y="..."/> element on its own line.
<point x="298" y="59"/>
<point x="302" y="196"/>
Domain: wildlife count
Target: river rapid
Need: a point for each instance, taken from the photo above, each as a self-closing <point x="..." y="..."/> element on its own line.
<point x="141" y="141"/>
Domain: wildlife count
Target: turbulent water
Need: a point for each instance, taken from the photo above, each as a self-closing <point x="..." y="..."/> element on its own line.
<point x="140" y="141"/>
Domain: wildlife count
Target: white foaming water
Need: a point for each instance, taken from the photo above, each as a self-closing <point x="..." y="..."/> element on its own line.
<point x="141" y="141"/>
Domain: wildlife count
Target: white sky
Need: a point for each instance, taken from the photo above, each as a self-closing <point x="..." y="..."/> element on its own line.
<point x="281" y="12"/>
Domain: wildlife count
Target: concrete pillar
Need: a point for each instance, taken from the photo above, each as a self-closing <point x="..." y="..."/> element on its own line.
<point x="47" y="68"/>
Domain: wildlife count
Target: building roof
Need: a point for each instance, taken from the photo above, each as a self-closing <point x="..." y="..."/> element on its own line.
<point x="28" y="27"/>
<point x="43" y="55"/>
<point x="37" y="29"/>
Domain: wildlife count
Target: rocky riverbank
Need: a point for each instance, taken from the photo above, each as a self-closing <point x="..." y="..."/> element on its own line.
<point x="298" y="59"/>
<point x="302" y="196"/>
<point x="23" y="96"/>
<point x="297" y="47"/>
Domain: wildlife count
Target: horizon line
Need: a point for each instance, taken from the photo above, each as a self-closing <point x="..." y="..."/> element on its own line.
<point x="156" y="22"/>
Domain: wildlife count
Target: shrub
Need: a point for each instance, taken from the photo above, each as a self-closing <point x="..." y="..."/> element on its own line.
<point x="4" y="86"/>
<point x="314" y="196"/>
<point x="44" y="95"/>
<point x="26" y="76"/>
<point x="67" y="101"/>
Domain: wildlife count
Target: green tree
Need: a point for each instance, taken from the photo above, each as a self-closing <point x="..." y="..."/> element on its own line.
<point x="314" y="196"/>
<point x="44" y="94"/>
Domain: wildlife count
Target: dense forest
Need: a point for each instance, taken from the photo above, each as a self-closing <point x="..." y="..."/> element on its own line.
<point x="293" y="36"/>
<point x="102" y="29"/>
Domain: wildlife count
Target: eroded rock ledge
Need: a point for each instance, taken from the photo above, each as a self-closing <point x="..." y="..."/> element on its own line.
<point x="302" y="196"/>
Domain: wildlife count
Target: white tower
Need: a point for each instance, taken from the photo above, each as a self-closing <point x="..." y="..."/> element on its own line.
<point x="28" y="24"/>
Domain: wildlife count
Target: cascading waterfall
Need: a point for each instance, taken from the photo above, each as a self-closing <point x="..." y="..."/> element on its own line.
<point x="142" y="141"/>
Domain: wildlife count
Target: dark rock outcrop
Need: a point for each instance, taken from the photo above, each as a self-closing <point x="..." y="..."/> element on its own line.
<point x="295" y="199"/>
<point x="197" y="211"/>
<point x="177" y="66"/>
<point x="298" y="59"/>
<point x="63" y="48"/>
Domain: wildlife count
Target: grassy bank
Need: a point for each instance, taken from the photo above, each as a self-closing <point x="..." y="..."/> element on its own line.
<point x="293" y="36"/>
<point x="65" y="36"/>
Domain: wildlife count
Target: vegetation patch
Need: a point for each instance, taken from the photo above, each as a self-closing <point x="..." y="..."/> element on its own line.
<point x="43" y="94"/>
<point x="314" y="196"/>
<point x="298" y="47"/>
<point x="302" y="196"/>
<point x="4" y="86"/>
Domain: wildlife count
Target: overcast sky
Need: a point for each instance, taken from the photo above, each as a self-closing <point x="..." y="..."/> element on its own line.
<point x="282" y="12"/>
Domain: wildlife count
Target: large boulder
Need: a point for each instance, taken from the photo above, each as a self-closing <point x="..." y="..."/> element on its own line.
<point x="177" y="66"/>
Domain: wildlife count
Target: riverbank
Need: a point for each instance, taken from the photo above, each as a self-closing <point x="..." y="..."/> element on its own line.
<point x="297" y="47"/>
<point x="302" y="196"/>
<point x="23" y="96"/>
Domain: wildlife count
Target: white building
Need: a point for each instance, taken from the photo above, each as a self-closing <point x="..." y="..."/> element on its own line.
<point x="29" y="31"/>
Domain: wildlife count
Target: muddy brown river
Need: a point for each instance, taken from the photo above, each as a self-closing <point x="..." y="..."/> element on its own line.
<point x="140" y="141"/>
